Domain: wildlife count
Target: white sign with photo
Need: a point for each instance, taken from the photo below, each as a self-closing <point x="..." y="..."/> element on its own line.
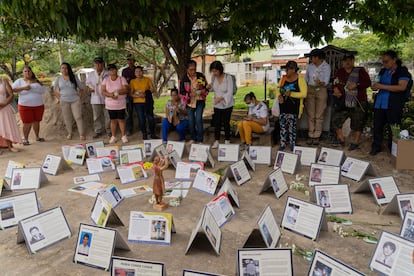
<point x="400" y="204"/>
<point x="130" y="156"/>
<point x="260" y="154"/>
<point x="43" y="230"/>
<point x="257" y="261"/>
<point x="10" y="166"/>
<point x="150" y="145"/>
<point x="91" y="148"/>
<point x="17" y="207"/>
<point x="276" y="181"/>
<point x="355" y="169"/>
<point x="383" y="189"/>
<point x="286" y="161"/>
<point x="240" y="172"/>
<point x="100" y="164"/>
<point x="188" y="170"/>
<point x="407" y="227"/>
<point x="307" y="155"/>
<point x="206" y="182"/>
<point x="227" y="187"/>
<point x="177" y="146"/>
<point x="199" y="152"/>
<point x="221" y="209"/>
<point x="304" y="218"/>
<point x="269" y="228"/>
<point x="89" y="188"/>
<point x="331" y="157"/>
<point x="112" y="195"/>
<point x="27" y="178"/>
<point x="228" y="152"/>
<point x="131" y="173"/>
<point x="109" y="151"/>
<point x="53" y="164"/>
<point x="336" y="199"/>
<point x="131" y="267"/>
<point x="323" y="264"/>
<point x="87" y="178"/>
<point x="320" y="174"/>
<point x="393" y="255"/>
<point x="76" y="155"/>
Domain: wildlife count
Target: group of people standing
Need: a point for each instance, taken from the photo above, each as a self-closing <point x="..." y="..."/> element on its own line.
<point x="114" y="98"/>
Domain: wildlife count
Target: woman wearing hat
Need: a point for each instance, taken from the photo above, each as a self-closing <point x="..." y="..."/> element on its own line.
<point x="292" y="90"/>
<point x="317" y="76"/>
<point x="115" y="90"/>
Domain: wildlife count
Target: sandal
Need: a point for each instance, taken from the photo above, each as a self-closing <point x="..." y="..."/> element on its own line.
<point x="82" y="138"/>
<point x="40" y="139"/>
<point x="25" y="142"/>
<point x="13" y="150"/>
<point x="69" y="137"/>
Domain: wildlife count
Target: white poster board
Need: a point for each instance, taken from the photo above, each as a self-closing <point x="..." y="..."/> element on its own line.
<point x="383" y="189"/>
<point x="400" y="204"/>
<point x="286" y="161"/>
<point x="333" y="157"/>
<point x="206" y="182"/>
<point x="131" y="173"/>
<point x="320" y="174"/>
<point x="407" y="227"/>
<point x="188" y="170"/>
<point x="336" y="199"/>
<point x="257" y="261"/>
<point x="323" y="264"/>
<point x="355" y="169"/>
<point x="130" y="156"/>
<point x="221" y="209"/>
<point x="100" y="164"/>
<point x="179" y="147"/>
<point x="276" y="181"/>
<point x="27" y="178"/>
<point x="228" y="152"/>
<point x="307" y="155"/>
<point x="240" y="172"/>
<point x="17" y="207"/>
<point x="199" y="152"/>
<point x="92" y="146"/>
<point x="150" y="145"/>
<point x="227" y="188"/>
<point x="54" y="164"/>
<point x="86" y="178"/>
<point x="260" y="154"/>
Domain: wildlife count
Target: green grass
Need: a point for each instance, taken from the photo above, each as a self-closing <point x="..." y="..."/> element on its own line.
<point x="159" y="105"/>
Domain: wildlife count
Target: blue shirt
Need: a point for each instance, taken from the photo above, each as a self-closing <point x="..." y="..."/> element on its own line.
<point x="383" y="96"/>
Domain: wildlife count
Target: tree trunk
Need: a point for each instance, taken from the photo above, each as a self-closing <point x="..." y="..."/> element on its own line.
<point x="203" y="57"/>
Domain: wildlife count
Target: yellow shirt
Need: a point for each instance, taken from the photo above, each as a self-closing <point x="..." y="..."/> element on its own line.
<point x="140" y="85"/>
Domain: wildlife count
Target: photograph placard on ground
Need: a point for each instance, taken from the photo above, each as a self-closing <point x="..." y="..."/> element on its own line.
<point x="131" y="173"/>
<point x="221" y="209"/>
<point x="177" y="184"/>
<point x="307" y="155"/>
<point x="320" y="174"/>
<point x="188" y="170"/>
<point x="257" y="261"/>
<point x="160" y="151"/>
<point x="249" y="162"/>
<point x="130" y="156"/>
<point x="89" y="188"/>
<point x="228" y="152"/>
<point x="12" y="165"/>
<point x="407" y="227"/>
<point x="206" y="182"/>
<point x="199" y="152"/>
<point x="150" y="145"/>
<point x="150" y="227"/>
<point x="276" y="181"/>
<point x="174" y="158"/>
<point x="207" y="227"/>
<point x="269" y="231"/>
<point x="54" y="164"/>
<point x="355" y="169"/>
<point x="383" y="189"/>
<point x="100" y="164"/>
<point x="336" y="199"/>
<point x="95" y="246"/>
<point x="103" y="213"/>
<point x="135" y="191"/>
<point x="43" y="230"/>
<point x="132" y="147"/>
<point x="393" y="255"/>
<point x="17" y="207"/>
<point x="323" y="264"/>
<point x="87" y="178"/>
<point x="288" y="162"/>
<point x="239" y="172"/>
<point x="304" y="218"/>
<point x="91" y="148"/>
<point x="331" y="157"/>
<point x="75" y="148"/>
<point x="112" y="151"/>
<point x="27" y="178"/>
<point x="179" y="147"/>
<point x="227" y="188"/>
<point x="400" y="204"/>
<point x="261" y="154"/>
<point x="187" y="272"/>
<point x="123" y="266"/>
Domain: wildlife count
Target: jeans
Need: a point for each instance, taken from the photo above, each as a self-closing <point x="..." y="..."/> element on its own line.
<point x="195" y="121"/>
<point x="167" y="126"/>
<point x="141" y="109"/>
<point x="129" y="114"/>
<point x="222" y="117"/>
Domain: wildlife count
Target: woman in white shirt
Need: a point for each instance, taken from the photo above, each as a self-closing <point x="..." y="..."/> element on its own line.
<point x="30" y="103"/>
<point x="222" y="85"/>
<point x="256" y="121"/>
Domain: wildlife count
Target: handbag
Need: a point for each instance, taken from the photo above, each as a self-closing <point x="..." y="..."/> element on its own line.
<point x="13" y="103"/>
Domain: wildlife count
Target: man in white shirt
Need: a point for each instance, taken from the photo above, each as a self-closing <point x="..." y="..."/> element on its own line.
<point x="317" y="77"/>
<point x="100" y="114"/>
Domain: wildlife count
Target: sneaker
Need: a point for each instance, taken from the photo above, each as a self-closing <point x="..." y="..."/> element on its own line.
<point x="112" y="140"/>
<point x="124" y="139"/>
<point x="96" y="135"/>
<point x="227" y="142"/>
<point x="215" y="144"/>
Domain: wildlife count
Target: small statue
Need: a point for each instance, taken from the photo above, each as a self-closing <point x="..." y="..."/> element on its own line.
<point x="158" y="186"/>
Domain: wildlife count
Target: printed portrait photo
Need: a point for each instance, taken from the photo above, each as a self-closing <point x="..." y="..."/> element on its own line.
<point x="158" y="230"/>
<point x="84" y="243"/>
<point x="323" y="198"/>
<point x="266" y="234"/>
<point x="292" y="213"/>
<point x="36" y="234"/>
<point x="405" y="206"/>
<point x="408" y="231"/>
<point x="250" y="267"/>
<point x="323" y="158"/>
<point x="386" y="254"/>
<point x="316" y="175"/>
<point x="7" y="211"/>
<point x="321" y="269"/>
<point x="279" y="159"/>
<point x="379" y="193"/>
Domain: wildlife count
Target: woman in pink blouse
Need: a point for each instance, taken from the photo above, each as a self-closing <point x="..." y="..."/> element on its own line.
<point x="115" y="90"/>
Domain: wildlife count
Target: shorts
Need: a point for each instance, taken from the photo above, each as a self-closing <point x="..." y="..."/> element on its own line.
<point x="356" y="114"/>
<point x="117" y="114"/>
<point x="31" y="114"/>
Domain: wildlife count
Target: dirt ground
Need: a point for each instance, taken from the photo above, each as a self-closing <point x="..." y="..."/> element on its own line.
<point x="57" y="260"/>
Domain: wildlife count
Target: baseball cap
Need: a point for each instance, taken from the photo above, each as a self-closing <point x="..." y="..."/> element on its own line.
<point x="98" y="59"/>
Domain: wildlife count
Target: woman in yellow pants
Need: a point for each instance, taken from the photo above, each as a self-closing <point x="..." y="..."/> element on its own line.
<point x="256" y="121"/>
